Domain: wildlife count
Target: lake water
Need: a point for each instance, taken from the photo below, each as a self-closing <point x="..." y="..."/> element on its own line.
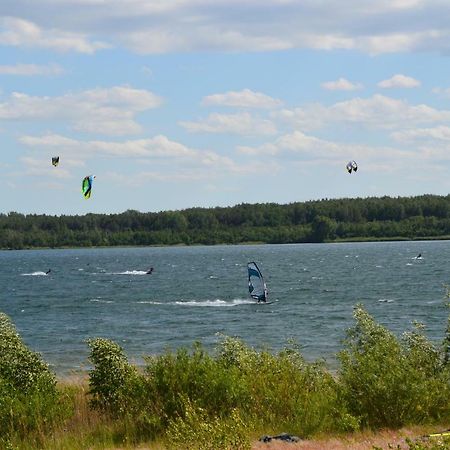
<point x="196" y="292"/>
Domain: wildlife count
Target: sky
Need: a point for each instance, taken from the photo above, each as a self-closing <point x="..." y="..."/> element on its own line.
<point x="174" y="104"/>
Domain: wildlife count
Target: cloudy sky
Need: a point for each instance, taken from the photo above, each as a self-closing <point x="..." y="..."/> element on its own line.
<point x="181" y="103"/>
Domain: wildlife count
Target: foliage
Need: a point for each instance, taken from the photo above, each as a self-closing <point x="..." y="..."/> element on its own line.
<point x="196" y="430"/>
<point x="426" y="216"/>
<point x="388" y="381"/>
<point x="29" y="400"/>
<point x="111" y="376"/>
<point x="195" y="399"/>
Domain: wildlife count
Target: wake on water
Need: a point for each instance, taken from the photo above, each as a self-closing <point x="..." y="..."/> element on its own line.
<point x="195" y="303"/>
<point x="34" y="274"/>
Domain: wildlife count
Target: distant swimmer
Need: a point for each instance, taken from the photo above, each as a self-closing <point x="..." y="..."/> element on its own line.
<point x="48" y="271"/>
<point x="149" y="271"/>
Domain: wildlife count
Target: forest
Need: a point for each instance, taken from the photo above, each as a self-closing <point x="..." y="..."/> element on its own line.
<point x="326" y="220"/>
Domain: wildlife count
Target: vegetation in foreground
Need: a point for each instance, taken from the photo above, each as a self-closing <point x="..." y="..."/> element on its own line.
<point x="385" y="218"/>
<point x="225" y="400"/>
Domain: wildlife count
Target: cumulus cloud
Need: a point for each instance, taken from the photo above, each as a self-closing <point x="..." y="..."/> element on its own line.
<point x="31" y="69"/>
<point x="18" y="32"/>
<point x="179" y="158"/>
<point x="378" y="111"/>
<point x="311" y="149"/>
<point x="399" y="81"/>
<point x="105" y="111"/>
<point x="241" y="123"/>
<point x="341" y="84"/>
<point x="157" y="147"/>
<point x="156" y="26"/>
<point x="242" y="99"/>
<point x="441" y="133"/>
<point x="41" y="168"/>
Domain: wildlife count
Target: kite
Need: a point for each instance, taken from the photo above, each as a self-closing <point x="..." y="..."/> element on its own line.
<point x="86" y="186"/>
<point x="351" y="165"/>
<point x="55" y="160"/>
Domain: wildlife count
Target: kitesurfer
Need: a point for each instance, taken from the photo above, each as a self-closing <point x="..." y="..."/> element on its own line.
<point x="48" y="271"/>
<point x="149" y="271"/>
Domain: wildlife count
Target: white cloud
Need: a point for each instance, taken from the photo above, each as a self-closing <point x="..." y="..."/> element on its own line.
<point x="241" y="123"/>
<point x="177" y="160"/>
<point x="441" y="133"/>
<point x="399" y="81"/>
<point x="42" y="168"/>
<point x="99" y="111"/>
<point x="313" y="150"/>
<point x="18" y="32"/>
<point x="158" y="26"/>
<point x="341" y="84"/>
<point x="242" y="99"/>
<point x="157" y="147"/>
<point x="378" y="111"/>
<point x="31" y="69"/>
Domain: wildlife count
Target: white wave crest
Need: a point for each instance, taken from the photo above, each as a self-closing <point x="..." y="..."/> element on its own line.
<point x="129" y="272"/>
<point x="216" y="302"/>
<point x="34" y="274"/>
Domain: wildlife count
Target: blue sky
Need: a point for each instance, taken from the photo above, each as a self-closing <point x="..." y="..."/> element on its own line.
<point x="182" y="103"/>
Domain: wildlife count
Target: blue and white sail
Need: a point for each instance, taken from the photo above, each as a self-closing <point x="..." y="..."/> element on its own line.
<point x="256" y="284"/>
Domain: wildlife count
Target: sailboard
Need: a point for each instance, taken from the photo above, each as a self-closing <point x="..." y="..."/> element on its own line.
<point x="256" y="285"/>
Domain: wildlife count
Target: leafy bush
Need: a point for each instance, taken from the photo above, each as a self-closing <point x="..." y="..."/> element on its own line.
<point x="111" y="378"/>
<point x="29" y="400"/>
<point x="388" y="381"/>
<point x="195" y="429"/>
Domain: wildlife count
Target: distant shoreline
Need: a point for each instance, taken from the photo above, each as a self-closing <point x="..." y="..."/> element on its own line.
<point x="335" y="241"/>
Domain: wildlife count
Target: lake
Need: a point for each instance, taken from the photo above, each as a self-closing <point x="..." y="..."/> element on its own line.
<point x="195" y="293"/>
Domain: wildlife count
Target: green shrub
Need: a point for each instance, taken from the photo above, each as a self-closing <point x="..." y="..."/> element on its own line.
<point x="388" y="381"/>
<point x="111" y="379"/>
<point x="286" y="392"/>
<point x="29" y="400"/>
<point x="195" y="429"/>
<point x="196" y="376"/>
<point x="23" y="369"/>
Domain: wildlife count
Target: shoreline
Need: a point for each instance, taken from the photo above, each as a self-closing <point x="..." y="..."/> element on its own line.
<point x="355" y="240"/>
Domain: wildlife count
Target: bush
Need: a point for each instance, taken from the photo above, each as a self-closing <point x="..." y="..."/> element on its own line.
<point x="111" y="378"/>
<point x="388" y="381"/>
<point x="29" y="401"/>
<point x="195" y="429"/>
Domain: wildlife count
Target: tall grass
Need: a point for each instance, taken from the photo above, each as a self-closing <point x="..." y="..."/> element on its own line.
<point x="191" y="398"/>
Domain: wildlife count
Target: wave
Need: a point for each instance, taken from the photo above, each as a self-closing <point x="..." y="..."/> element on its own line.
<point x="100" y="300"/>
<point x="34" y="274"/>
<point x="128" y="272"/>
<point x="214" y="303"/>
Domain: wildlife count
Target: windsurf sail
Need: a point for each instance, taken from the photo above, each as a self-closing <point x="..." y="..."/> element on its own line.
<point x="86" y="186"/>
<point x="55" y="160"/>
<point x="256" y="285"/>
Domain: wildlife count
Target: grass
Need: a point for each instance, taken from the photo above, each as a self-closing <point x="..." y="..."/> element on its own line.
<point x="226" y="399"/>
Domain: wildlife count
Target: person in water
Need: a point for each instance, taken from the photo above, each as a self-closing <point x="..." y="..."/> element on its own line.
<point x="149" y="271"/>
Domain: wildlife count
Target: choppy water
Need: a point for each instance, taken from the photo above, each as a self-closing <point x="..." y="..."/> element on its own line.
<point x="196" y="292"/>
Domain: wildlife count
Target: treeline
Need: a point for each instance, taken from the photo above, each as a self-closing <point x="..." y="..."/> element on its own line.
<point x="426" y="216"/>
